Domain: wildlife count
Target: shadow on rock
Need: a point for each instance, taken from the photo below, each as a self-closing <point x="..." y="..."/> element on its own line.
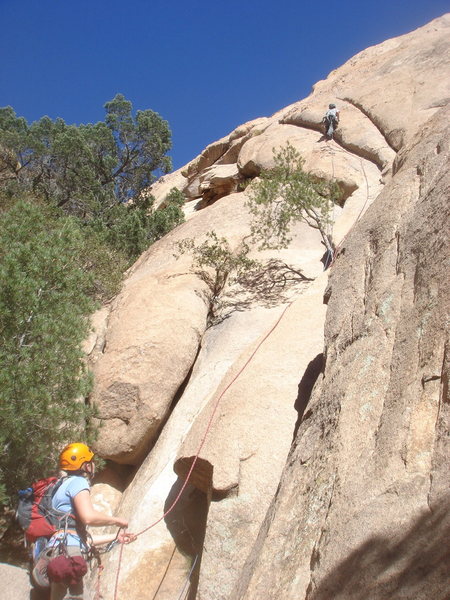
<point x="269" y="285"/>
<point x="187" y="525"/>
<point x="413" y="565"/>
<point x="305" y="388"/>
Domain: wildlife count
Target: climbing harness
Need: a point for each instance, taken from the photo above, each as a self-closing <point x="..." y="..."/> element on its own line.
<point x="330" y="123"/>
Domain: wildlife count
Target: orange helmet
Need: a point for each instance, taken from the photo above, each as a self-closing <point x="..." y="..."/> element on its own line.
<point x="74" y="456"/>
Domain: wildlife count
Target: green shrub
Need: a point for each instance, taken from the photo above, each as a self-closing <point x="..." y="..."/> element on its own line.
<point x="287" y="194"/>
<point x="44" y="308"/>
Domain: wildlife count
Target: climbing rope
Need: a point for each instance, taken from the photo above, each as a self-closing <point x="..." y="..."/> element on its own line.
<point x="341" y="149"/>
<point x="330" y="255"/>
<point x="97" y="594"/>
<point x="187" y="580"/>
<point x="202" y="443"/>
<point x="165" y="573"/>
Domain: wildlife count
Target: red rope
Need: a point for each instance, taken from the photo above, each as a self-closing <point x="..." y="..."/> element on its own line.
<point x="98" y="595"/>
<point x="202" y="443"/>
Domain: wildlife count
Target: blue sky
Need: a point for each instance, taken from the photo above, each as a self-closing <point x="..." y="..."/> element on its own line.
<point x="204" y="66"/>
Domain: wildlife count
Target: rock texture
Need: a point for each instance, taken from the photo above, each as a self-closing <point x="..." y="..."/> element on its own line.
<point x="15" y="583"/>
<point x="244" y="447"/>
<point x="372" y="452"/>
<point x="360" y="510"/>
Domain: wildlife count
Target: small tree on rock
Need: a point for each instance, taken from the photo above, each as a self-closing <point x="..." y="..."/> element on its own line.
<point x="287" y="194"/>
<point x="217" y="264"/>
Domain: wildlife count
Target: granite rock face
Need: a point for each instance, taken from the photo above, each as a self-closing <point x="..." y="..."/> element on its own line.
<point x="15" y="583"/>
<point x="354" y="506"/>
<point x="362" y="504"/>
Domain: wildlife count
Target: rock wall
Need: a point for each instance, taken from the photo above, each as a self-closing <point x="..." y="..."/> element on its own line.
<point x="362" y="484"/>
<point x="361" y="509"/>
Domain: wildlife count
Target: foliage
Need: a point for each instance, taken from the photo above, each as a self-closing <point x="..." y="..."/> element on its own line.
<point x="74" y="214"/>
<point x="217" y="264"/>
<point x="43" y="320"/>
<point x="98" y="174"/>
<point x="104" y="264"/>
<point x="141" y="141"/>
<point x="86" y="169"/>
<point x="134" y="227"/>
<point x="287" y="194"/>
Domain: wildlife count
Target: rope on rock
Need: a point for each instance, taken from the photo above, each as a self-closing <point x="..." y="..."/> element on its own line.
<point x="330" y="255"/>
<point x="187" y="580"/>
<point x="341" y="149"/>
<point x="165" y="572"/>
<point x="202" y="443"/>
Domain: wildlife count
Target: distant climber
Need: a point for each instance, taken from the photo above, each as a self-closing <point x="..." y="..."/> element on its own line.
<point x="61" y="562"/>
<point x="331" y="120"/>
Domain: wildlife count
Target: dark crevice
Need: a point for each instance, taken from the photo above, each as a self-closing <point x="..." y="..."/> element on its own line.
<point x="305" y="387"/>
<point x="397" y="262"/>
<point x="118" y="476"/>
<point x="179" y="393"/>
<point x="184" y="383"/>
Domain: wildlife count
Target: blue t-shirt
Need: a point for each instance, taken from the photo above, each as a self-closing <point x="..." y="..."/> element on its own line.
<point x="63" y="501"/>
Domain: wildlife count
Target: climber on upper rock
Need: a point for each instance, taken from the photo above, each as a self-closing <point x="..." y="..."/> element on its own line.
<point x="331" y="120"/>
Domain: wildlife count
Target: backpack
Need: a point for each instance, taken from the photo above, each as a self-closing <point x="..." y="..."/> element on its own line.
<point x="35" y="513"/>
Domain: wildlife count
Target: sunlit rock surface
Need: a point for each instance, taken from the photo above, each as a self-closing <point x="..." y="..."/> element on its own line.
<point x="355" y="507"/>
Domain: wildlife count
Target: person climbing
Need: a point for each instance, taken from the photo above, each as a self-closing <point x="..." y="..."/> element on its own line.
<point x="73" y="542"/>
<point x="331" y="120"/>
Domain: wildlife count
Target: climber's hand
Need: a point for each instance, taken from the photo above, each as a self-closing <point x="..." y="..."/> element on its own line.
<point x="126" y="537"/>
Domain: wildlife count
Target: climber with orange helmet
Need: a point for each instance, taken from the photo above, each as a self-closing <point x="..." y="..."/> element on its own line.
<point x="72" y="497"/>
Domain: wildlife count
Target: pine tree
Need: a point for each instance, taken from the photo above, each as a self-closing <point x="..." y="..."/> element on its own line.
<point x="43" y="321"/>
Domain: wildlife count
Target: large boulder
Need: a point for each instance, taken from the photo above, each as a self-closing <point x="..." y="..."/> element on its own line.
<point x="219" y="181"/>
<point x="154" y="332"/>
<point x="224" y="151"/>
